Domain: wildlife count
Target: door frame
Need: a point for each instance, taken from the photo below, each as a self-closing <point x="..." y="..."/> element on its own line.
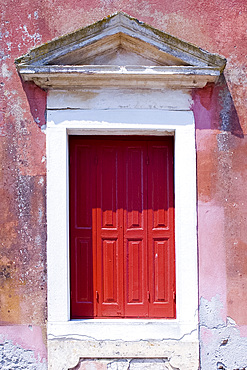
<point x="122" y="122"/>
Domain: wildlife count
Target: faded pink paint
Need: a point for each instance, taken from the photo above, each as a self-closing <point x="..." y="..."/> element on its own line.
<point x="212" y="259"/>
<point x="206" y="335"/>
<point x="243" y="330"/>
<point x="92" y="365"/>
<point x="218" y="175"/>
<point x="28" y="337"/>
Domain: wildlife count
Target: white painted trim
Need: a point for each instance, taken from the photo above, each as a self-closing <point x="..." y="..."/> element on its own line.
<point x="121" y="122"/>
<point x="123" y="99"/>
<point x="78" y="77"/>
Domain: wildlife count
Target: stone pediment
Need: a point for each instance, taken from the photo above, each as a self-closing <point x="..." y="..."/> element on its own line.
<point x="119" y="50"/>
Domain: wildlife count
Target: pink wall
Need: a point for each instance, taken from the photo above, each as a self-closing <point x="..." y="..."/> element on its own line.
<point x="221" y="127"/>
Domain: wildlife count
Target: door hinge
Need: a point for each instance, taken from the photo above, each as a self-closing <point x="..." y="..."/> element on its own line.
<point x="174" y="296"/>
<point x="97" y="296"/>
<point x="148" y="295"/>
<point x="96" y="160"/>
<point x="147" y="160"/>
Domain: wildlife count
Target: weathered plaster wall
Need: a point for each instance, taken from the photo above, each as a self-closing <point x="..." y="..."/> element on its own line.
<point x="22" y="191"/>
<point x="221" y="164"/>
<point x="221" y="174"/>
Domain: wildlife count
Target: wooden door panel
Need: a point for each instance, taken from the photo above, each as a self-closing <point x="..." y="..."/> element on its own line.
<point x="110" y="271"/>
<point x="109" y="230"/>
<point x="83" y="186"/>
<point x="84" y="270"/>
<point x="109" y="186"/>
<point x="135" y="229"/>
<point x="134" y="271"/>
<point x="159" y="202"/>
<point x="160" y="270"/>
<point x="161" y="249"/>
<point x="82" y="203"/>
<point x="134" y="187"/>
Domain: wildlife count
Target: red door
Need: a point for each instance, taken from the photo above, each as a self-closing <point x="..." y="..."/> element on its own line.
<point x="122" y="254"/>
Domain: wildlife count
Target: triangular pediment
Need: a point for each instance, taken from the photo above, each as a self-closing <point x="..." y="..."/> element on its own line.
<point x="116" y="49"/>
<point x="117" y="41"/>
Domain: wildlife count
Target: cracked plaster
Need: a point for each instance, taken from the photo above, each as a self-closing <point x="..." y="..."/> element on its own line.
<point x="126" y="364"/>
<point x="15" y="357"/>
<point x="222" y="346"/>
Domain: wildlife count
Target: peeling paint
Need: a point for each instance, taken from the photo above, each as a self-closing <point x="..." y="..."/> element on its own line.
<point x="221" y="344"/>
<point x="14" y="357"/>
<point x="226" y="350"/>
<point x="5" y="72"/>
<point x="210" y="313"/>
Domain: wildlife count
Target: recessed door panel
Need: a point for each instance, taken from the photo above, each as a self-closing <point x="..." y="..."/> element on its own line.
<point x="109" y="271"/>
<point x="160" y="270"/>
<point x="134" y="186"/>
<point x="135" y="268"/>
<point x="159" y="181"/>
<point x="83" y="183"/>
<point x="84" y="271"/>
<point x="109" y="185"/>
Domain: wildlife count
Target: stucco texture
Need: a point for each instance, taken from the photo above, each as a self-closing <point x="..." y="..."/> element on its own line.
<point x="221" y="143"/>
